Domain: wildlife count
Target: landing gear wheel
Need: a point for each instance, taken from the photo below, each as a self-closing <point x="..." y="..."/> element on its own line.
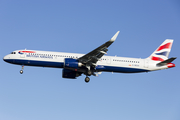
<point x="21" y="71"/>
<point x="87" y="79"/>
<point x="89" y="72"/>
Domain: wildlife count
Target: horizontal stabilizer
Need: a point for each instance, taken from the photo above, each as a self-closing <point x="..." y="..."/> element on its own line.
<point x="166" y="61"/>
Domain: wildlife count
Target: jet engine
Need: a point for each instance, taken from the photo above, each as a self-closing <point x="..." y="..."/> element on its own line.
<point x="71" y="63"/>
<point x="70" y="74"/>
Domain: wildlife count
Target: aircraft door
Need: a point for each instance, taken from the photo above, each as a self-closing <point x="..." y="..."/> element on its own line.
<point x="22" y="55"/>
<point x="108" y="60"/>
<point x="146" y="63"/>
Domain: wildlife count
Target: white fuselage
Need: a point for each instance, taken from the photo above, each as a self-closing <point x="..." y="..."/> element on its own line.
<point x="106" y="63"/>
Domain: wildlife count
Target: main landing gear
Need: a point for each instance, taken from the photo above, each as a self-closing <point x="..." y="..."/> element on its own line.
<point x="21" y="71"/>
<point x="88" y="73"/>
<point x="87" y="79"/>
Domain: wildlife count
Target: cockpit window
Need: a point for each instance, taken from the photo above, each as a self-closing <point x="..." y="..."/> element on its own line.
<point x="13" y="52"/>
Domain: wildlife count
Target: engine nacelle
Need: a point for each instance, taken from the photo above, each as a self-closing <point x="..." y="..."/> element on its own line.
<point x="70" y="74"/>
<point x="71" y="63"/>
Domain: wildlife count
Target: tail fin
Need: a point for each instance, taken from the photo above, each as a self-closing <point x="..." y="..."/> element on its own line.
<point x="162" y="52"/>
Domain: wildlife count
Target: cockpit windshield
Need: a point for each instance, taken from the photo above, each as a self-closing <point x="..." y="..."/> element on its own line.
<point x="13" y="52"/>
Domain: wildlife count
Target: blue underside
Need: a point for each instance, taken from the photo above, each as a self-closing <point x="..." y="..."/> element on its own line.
<point x="60" y="65"/>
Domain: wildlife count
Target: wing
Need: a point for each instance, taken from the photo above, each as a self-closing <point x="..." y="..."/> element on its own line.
<point x="92" y="57"/>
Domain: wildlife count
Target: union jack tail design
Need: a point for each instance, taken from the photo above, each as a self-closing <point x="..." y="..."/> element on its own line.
<point x="162" y="52"/>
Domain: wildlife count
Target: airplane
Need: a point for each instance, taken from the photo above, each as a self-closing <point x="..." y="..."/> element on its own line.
<point x="94" y="62"/>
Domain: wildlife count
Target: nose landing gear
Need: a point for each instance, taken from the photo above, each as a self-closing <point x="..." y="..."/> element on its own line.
<point x="21" y="71"/>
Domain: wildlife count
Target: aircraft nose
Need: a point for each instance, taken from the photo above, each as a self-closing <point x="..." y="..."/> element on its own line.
<point x="5" y="58"/>
<point x="8" y="59"/>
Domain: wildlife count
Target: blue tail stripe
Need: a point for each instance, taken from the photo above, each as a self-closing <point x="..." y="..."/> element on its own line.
<point x="162" y="53"/>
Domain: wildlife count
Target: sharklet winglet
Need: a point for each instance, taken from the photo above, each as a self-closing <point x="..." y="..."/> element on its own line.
<point x="114" y="37"/>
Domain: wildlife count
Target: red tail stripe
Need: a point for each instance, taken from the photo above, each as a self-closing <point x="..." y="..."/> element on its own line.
<point x="167" y="45"/>
<point x="156" y="58"/>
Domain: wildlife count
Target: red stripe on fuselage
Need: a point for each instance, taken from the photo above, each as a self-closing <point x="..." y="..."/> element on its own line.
<point x="27" y="51"/>
<point x="166" y="46"/>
